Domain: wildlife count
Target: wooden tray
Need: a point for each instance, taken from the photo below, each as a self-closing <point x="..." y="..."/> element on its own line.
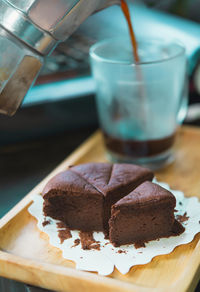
<point x="25" y="254"/>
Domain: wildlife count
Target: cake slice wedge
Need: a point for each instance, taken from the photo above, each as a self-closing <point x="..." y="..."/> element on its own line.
<point x="72" y="200"/>
<point x="147" y="213"/>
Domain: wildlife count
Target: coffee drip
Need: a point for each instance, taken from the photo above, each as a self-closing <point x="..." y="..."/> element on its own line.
<point x="127" y="16"/>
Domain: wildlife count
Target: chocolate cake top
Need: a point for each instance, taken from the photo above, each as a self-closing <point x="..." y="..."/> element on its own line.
<point x="69" y="181"/>
<point x="106" y="177"/>
<point x="145" y="195"/>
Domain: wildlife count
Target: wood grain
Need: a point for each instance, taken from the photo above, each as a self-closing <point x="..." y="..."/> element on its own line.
<point x="26" y="255"/>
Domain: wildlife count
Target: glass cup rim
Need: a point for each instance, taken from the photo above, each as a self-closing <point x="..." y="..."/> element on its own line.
<point x="157" y="41"/>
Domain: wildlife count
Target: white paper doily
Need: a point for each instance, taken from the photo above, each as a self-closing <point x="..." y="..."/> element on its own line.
<point x="104" y="260"/>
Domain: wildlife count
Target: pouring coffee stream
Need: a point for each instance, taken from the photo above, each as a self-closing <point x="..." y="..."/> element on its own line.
<point x="141" y="91"/>
<point x="127" y="16"/>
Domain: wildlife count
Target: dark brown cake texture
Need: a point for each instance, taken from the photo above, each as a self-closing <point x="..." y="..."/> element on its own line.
<point x="147" y="213"/>
<point x="82" y="196"/>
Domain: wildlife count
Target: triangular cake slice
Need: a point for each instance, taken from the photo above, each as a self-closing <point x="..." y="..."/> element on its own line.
<point x="147" y="213"/>
<point x="72" y="200"/>
<point x="114" y="181"/>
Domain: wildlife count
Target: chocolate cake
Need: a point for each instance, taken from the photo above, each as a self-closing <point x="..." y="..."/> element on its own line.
<point x="82" y="196"/>
<point x="145" y="214"/>
<point x="72" y="200"/>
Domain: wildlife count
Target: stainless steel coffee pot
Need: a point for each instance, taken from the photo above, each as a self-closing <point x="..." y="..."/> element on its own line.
<point x="29" y="31"/>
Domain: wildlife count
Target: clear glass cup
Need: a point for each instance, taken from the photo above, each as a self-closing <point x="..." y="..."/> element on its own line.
<point x="140" y="105"/>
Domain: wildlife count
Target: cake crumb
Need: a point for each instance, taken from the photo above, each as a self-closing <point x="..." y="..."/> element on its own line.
<point x="76" y="242"/>
<point x="88" y="242"/>
<point x="182" y="218"/>
<point x="63" y="232"/>
<point x="121" y="251"/>
<point x="45" y="223"/>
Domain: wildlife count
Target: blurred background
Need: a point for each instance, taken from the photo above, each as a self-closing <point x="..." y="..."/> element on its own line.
<point x="184" y="8"/>
<point x="59" y="111"/>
